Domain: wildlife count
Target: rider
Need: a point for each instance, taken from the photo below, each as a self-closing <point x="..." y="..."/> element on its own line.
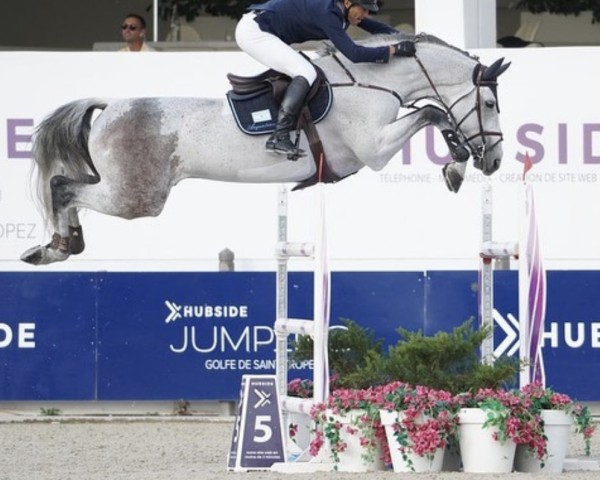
<point x="268" y="29"/>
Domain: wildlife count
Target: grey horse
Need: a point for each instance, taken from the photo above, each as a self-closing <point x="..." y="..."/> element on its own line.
<point x="125" y="162"/>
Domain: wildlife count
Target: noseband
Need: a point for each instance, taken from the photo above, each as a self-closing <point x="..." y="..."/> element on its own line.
<point x="479" y="80"/>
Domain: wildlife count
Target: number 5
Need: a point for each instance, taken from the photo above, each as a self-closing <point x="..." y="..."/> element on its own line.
<point x="262" y="425"/>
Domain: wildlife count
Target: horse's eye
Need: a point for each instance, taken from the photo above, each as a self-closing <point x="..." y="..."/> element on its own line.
<point x="490" y="103"/>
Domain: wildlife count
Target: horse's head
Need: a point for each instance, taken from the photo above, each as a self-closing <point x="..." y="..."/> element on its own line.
<point x="474" y="116"/>
<point x="446" y="86"/>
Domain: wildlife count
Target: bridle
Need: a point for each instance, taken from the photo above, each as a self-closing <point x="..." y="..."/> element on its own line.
<point x="480" y="79"/>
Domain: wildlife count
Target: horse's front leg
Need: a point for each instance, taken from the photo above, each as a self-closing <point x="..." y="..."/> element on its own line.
<point x="397" y="133"/>
<point x="453" y="172"/>
<point x="394" y="135"/>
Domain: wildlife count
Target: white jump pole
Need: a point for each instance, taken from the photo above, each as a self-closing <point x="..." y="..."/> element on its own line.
<point x="486" y="281"/>
<point x="322" y="288"/>
<point x="491" y="250"/>
<point x="317" y="327"/>
<point x="281" y="300"/>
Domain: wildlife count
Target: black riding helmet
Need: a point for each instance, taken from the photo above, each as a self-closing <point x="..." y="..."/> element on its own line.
<point x="370" y="5"/>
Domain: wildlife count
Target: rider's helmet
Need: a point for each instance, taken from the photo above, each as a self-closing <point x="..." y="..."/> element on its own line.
<point x="370" y="5"/>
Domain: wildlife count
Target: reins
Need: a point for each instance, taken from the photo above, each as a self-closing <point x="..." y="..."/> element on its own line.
<point x="354" y="83"/>
<point x="456" y="124"/>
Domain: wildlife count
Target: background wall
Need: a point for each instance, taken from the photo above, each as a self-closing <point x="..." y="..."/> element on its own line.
<point x="77" y="25"/>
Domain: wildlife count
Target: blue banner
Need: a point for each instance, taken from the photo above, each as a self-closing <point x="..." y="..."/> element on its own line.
<point x="164" y="336"/>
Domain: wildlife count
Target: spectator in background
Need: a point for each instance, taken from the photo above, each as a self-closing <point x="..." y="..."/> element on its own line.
<point x="133" y="31"/>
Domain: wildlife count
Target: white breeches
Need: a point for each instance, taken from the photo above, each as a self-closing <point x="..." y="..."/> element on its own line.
<point x="269" y="50"/>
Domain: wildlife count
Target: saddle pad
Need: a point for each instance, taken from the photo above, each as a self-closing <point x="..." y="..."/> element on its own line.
<point x="256" y="113"/>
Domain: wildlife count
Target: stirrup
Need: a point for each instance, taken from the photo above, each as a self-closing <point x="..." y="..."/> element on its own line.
<point x="292" y="155"/>
<point x="283" y="147"/>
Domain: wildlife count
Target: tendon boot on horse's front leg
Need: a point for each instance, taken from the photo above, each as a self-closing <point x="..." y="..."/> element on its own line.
<point x="279" y="142"/>
<point x="457" y="150"/>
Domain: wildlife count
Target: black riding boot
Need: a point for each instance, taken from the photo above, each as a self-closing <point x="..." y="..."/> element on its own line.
<point x="293" y="99"/>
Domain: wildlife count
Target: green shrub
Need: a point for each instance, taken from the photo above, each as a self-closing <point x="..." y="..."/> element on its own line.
<point x="447" y="360"/>
<point x="355" y="355"/>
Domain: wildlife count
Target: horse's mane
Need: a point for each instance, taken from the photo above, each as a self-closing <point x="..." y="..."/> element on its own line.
<point x="391" y="38"/>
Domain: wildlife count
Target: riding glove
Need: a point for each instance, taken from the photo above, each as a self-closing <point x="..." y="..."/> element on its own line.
<point x="405" y="49"/>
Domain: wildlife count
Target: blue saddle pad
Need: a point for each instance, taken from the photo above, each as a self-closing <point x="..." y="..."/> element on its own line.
<point x="256" y="113"/>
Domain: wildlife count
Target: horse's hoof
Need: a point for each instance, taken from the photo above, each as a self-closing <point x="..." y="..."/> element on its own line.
<point x="33" y="256"/>
<point x="453" y="175"/>
<point x="76" y="242"/>
<point x="43" y="255"/>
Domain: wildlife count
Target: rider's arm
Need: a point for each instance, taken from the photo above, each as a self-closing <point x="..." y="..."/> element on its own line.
<point x="353" y="52"/>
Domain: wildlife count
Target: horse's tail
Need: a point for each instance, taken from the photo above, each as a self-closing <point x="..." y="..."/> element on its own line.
<point x="60" y="147"/>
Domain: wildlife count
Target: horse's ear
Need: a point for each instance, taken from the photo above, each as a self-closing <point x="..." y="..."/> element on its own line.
<point x="491" y="72"/>
<point x="503" y="69"/>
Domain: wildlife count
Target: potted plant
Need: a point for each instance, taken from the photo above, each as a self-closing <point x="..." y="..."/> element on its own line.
<point x="558" y="413"/>
<point x="491" y="425"/>
<point x="348" y="427"/>
<point x="420" y="422"/>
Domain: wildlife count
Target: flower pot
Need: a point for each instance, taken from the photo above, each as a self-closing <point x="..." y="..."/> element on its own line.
<point x="411" y="462"/>
<point x="557" y="428"/>
<point x="351" y="459"/>
<point x="479" y="451"/>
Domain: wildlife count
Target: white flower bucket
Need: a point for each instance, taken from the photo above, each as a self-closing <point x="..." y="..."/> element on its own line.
<point x="428" y="463"/>
<point x="351" y="459"/>
<point x="479" y="451"/>
<point x="557" y="427"/>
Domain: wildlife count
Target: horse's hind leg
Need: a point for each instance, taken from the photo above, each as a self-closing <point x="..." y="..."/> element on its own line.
<point x="67" y="237"/>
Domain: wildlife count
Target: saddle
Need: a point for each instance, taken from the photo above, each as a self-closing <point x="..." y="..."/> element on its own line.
<point x="254" y="102"/>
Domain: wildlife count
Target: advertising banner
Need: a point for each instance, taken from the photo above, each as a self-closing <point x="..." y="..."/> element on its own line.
<point x="163" y="336"/>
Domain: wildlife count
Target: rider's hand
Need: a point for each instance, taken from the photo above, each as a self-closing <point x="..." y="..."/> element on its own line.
<point x="404" y="49"/>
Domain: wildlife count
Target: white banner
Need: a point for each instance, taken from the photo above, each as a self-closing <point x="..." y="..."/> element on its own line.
<point x="401" y="218"/>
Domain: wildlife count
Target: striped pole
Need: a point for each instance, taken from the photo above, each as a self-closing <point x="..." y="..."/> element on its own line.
<point x="532" y="290"/>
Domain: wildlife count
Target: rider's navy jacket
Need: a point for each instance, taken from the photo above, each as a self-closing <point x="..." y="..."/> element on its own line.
<point x="297" y="21"/>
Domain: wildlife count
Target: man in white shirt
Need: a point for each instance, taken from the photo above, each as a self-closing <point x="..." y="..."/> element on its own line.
<point x="133" y="31"/>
